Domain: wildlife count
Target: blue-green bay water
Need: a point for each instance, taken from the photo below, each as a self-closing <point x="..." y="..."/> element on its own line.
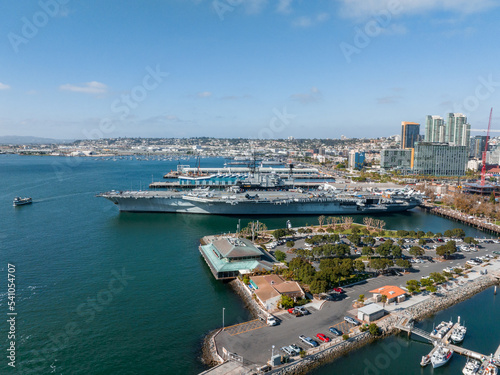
<point x="103" y="292"/>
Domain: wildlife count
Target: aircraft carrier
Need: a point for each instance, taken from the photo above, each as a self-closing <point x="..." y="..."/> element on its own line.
<point x="234" y="201"/>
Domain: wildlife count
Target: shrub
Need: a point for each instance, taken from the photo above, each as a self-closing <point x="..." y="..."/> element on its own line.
<point x="345" y="336"/>
<point x="279" y="255"/>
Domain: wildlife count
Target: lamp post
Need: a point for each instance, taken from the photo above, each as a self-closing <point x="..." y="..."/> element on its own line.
<point x="223" y="317"/>
<point x="272" y="352"/>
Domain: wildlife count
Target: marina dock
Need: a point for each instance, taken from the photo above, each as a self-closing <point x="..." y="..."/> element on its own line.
<point x="406" y="324"/>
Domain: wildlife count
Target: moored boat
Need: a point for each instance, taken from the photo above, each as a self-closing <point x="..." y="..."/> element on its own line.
<point x="458" y="334"/>
<point x="441" y="356"/>
<point x="491" y="369"/>
<point x="471" y="367"/>
<point x="426" y="359"/>
<point x="18" y="201"/>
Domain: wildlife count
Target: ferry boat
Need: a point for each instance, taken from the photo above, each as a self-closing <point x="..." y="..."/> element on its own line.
<point x="18" y="201"/>
<point x="441" y="356"/>
<point x="471" y="367"/>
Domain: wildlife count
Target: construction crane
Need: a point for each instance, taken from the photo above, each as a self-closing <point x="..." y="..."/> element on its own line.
<point x="483" y="170"/>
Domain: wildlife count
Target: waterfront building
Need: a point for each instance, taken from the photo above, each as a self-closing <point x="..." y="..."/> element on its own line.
<point x="410" y="133"/>
<point x="434" y="129"/>
<point x="371" y="312"/>
<point x="457" y="129"/>
<point x="396" y="159"/>
<point x="229" y="257"/>
<point x="270" y="288"/>
<point x="477" y="145"/>
<point x="393" y="294"/>
<point x="440" y="159"/>
<point x="356" y="159"/>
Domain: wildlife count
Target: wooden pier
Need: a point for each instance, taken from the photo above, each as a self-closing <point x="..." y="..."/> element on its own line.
<point x="461" y="217"/>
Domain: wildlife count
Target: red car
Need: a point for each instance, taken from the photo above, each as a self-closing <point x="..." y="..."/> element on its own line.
<point x="322" y="337"/>
<point x="338" y="290"/>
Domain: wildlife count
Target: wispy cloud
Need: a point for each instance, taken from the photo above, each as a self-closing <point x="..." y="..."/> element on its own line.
<point x="254" y="6"/>
<point x="3" y="86"/>
<point x="389" y="99"/>
<point x="314" y="95"/>
<point x="284" y="6"/>
<point x="306" y="21"/>
<point x="367" y="8"/>
<point x="93" y="87"/>
<point x="204" y="94"/>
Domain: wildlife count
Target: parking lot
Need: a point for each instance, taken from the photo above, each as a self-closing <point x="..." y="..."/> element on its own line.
<point x="255" y="344"/>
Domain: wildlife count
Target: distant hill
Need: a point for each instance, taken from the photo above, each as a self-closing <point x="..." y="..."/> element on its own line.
<point x="26" y="140"/>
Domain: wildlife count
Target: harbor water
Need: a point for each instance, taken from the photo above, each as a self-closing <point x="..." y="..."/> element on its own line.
<point x="103" y="292"/>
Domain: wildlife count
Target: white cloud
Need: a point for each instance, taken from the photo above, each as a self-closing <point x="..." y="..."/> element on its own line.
<point x="87" y="88"/>
<point x="314" y="95"/>
<point x="254" y="6"/>
<point x="204" y="94"/>
<point x="367" y="8"/>
<point x="284" y="6"/>
<point x="306" y="21"/>
<point x="3" y="86"/>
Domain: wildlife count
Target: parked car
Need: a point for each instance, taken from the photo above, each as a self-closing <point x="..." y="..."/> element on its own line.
<point x="286" y="350"/>
<point x="296" y="349"/>
<point x="335" y="331"/>
<point x="295" y="312"/>
<point x="271" y="320"/>
<point x="303" y="310"/>
<point x="322" y="337"/>
<point x="348" y="319"/>
<point x="309" y="341"/>
<point x="338" y="290"/>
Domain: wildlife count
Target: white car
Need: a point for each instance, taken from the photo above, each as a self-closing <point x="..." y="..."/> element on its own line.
<point x="271" y="320"/>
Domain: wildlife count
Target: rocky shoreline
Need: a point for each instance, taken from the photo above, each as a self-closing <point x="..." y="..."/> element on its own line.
<point x="417" y="312"/>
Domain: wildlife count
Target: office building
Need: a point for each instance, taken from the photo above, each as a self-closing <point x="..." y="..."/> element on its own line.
<point x="396" y="159"/>
<point x="434" y="129"/>
<point x="440" y="159"/>
<point x="477" y="145"/>
<point x="410" y="133"/>
<point x="356" y="159"/>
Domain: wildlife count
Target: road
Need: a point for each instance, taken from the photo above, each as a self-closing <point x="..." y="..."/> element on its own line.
<point x="255" y="344"/>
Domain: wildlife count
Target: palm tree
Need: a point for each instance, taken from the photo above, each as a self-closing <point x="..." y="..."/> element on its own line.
<point x="384" y="299"/>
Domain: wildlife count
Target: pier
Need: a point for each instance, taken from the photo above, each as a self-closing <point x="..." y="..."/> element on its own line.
<point x="461" y="217"/>
<point x="406" y="324"/>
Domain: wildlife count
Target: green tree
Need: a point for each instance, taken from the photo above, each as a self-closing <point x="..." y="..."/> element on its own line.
<point x="421" y="242"/>
<point x="359" y="265"/>
<point x="383" y="299"/>
<point x="369" y="241"/>
<point x="318" y="286"/>
<point x="290" y="244"/>
<point x="361" y="298"/>
<point x="396" y="251"/>
<point x="403" y="263"/>
<point x="492" y="198"/>
<point x="458" y="232"/>
<point x="416" y="251"/>
<point x="448" y="233"/>
<point x="279" y="255"/>
<point x="279" y="233"/>
<point x="420" y="234"/>
<point x="367" y="250"/>
<point x="355" y="239"/>
<point x="429" y="234"/>
<point x="286" y="302"/>
<point x="413" y="286"/>
<point x="431" y="289"/>
<point x="374" y="329"/>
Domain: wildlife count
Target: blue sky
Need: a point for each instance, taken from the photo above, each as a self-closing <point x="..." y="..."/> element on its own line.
<point x="244" y="68"/>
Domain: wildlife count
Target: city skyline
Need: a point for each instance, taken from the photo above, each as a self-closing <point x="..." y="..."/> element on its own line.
<point x="257" y="70"/>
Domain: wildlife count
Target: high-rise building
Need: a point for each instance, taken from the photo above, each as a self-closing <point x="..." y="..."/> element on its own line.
<point x="396" y="159"/>
<point x="410" y="133"/>
<point x="440" y="159"/>
<point x="457" y="129"/>
<point x="477" y="145"/>
<point x="434" y="129"/>
<point x="356" y="159"/>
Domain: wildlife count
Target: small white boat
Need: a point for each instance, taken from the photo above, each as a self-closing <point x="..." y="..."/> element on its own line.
<point x="18" y="201"/>
<point x="426" y="359"/>
<point x="441" y="356"/>
<point x="471" y="367"/>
